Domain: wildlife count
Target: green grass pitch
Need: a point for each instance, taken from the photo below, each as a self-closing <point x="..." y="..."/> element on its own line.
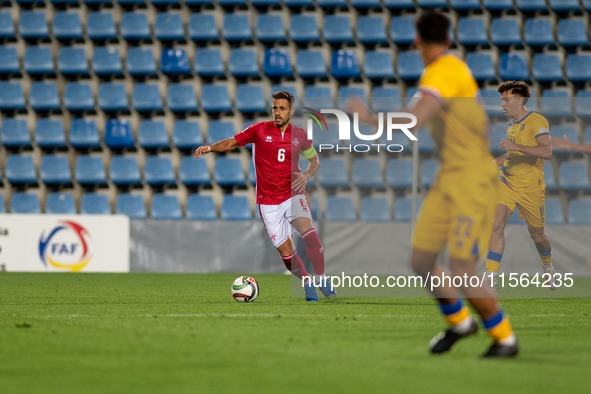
<point x="166" y="333"/>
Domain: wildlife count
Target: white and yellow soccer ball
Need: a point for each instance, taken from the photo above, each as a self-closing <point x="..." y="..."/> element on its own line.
<point x="245" y="289"/>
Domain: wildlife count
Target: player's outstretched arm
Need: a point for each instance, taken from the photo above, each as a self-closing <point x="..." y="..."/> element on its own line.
<point x="221" y="146"/>
<point x="565" y="143"/>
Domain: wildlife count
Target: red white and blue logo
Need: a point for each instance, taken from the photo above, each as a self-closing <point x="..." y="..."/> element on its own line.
<point x="65" y="246"/>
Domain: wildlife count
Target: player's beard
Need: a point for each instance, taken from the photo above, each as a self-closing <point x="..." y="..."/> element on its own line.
<point x="283" y="122"/>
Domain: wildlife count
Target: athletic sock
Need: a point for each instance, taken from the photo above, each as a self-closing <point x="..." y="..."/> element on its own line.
<point x="499" y="329"/>
<point x="295" y="265"/>
<point x="314" y="250"/>
<point x="546" y="257"/>
<point x="457" y="316"/>
<point x="493" y="261"/>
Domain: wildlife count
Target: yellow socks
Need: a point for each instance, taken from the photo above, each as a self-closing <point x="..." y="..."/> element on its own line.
<point x="493" y="261"/>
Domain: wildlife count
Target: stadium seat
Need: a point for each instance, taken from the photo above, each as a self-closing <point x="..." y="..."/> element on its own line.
<point x="100" y="26"/>
<point x="250" y="98"/>
<point x="140" y="61"/>
<point x="84" y="134"/>
<point x="90" y="170"/>
<point x="337" y="29"/>
<point x="235" y="208"/>
<point x="60" y="203"/>
<point x="236" y="27"/>
<point x="303" y="28"/>
<point x="554" y="213"/>
<point x="323" y="137"/>
<point x="181" y="98"/>
<point x="228" y="172"/>
<point x="332" y="3"/>
<point x="252" y="174"/>
<point x="573" y="176"/>
<point x="152" y="134"/>
<point x="14" y="133"/>
<point x="471" y="31"/>
<point x="175" y="62"/>
<point x="277" y="63"/>
<point x="428" y="171"/>
<point x="193" y="172"/>
<point x="164" y="3"/>
<point x="118" y="134"/>
<point x="49" y="133"/>
<point x="72" y="61"/>
<point x="432" y="3"/>
<point x="579" y="212"/>
<point x="549" y="179"/>
<point x="124" y="171"/>
<point x="43" y="96"/>
<point x="9" y="60"/>
<point x="38" y="61"/>
<point x="2" y="204"/>
<point x="165" y="207"/>
<point x="403" y="30"/>
<point x="399" y="4"/>
<point x="215" y="98"/>
<point x="106" y="61"/>
<point x="556" y="103"/>
<point x="565" y="5"/>
<point x="332" y="173"/>
<point x="498" y="5"/>
<point x="318" y="97"/>
<point x="243" y="63"/>
<point x="339" y="209"/>
<point x="587" y="135"/>
<point x="531" y="5"/>
<point x="95" y="204"/>
<point x="20" y="169"/>
<point x="492" y="102"/>
<point x="366" y="4"/>
<point x="547" y="68"/>
<point x="481" y="65"/>
<point x="374" y="209"/>
<point x="200" y="208"/>
<point x="168" y="26"/>
<point x="498" y="133"/>
<point x="25" y="203"/>
<point x="33" y="25"/>
<point x="578" y="67"/>
<point x="187" y="134"/>
<point x="538" y="32"/>
<point x="55" y="170"/>
<point x="209" y="63"/>
<point x="385" y="99"/>
<point x="112" y="97"/>
<point x="67" y="26"/>
<point x="78" y="97"/>
<point x="378" y="65"/>
<point x="465" y="4"/>
<point x="269" y="28"/>
<point x="146" y="98"/>
<point x="350" y="91"/>
<point x="310" y="64"/>
<point x="345" y="64"/>
<point x="410" y="65"/>
<point x="403" y="208"/>
<point x="558" y="131"/>
<point x="6" y="25"/>
<point x="513" y="66"/>
<point x="131" y="205"/>
<point x="202" y="27"/>
<point x="572" y="33"/>
<point x="219" y="130"/>
<point x="371" y="29"/>
<point x="367" y="173"/>
<point x="158" y="171"/>
<point x="399" y="173"/>
<point x="134" y="26"/>
<point x="505" y="32"/>
<point x="583" y="104"/>
<point x="426" y="142"/>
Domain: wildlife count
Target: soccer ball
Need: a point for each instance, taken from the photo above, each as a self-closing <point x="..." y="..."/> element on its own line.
<point x="245" y="289"/>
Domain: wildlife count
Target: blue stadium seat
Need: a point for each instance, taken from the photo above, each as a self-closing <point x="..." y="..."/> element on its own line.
<point x="235" y="208"/>
<point x="134" y="26"/>
<point x="303" y="28"/>
<point x="505" y="31"/>
<point x="367" y="173"/>
<point x="498" y="5"/>
<point x="323" y="137"/>
<point x="124" y="171"/>
<point x="6" y="25"/>
<point x="33" y="25"/>
<point x="410" y="65"/>
<point x="208" y="62"/>
<point x="84" y="134"/>
<point x="403" y="30"/>
<point x="43" y="96"/>
<point x="538" y="32"/>
<point x="332" y="173"/>
<point x="168" y="26"/>
<point x="332" y="3"/>
<point x="55" y="170"/>
<point x="410" y="93"/>
<point x="72" y="61"/>
<point x="269" y="27"/>
<point x="558" y="131"/>
<point x="165" y="3"/>
<point x="385" y="99"/>
<point x="579" y="212"/>
<point x="250" y="98"/>
<point x="337" y="29"/>
<point x="432" y="3"/>
<point x="193" y="171"/>
<point x="399" y="173"/>
<point x="492" y="102"/>
<point x="20" y="169"/>
<point x="152" y="134"/>
<point x="187" y="134"/>
<point x="2" y="204"/>
<point x="38" y="61"/>
<point x="549" y="178"/>
<point x="131" y="205"/>
<point x="25" y="203"/>
<point x="498" y="133"/>
<point x="349" y="91"/>
<point x="531" y="5"/>
<point x="100" y="26"/>
<point x="471" y="31"/>
<point x="399" y="4"/>
<point x="465" y="4"/>
<point x="202" y="27"/>
<point x="181" y="98"/>
<point x="67" y="26"/>
<point x="175" y="62"/>
<point x="565" y="5"/>
<point x="398" y="137"/>
<point x="374" y="209"/>
<point x="366" y="4"/>
<point x="547" y="68"/>
<point x="481" y="65"/>
<point x="9" y="60"/>
<point x="378" y="65"/>
<point x="344" y="64"/>
<point x="340" y="209"/>
<point x="586" y="4"/>
<point x="426" y="142"/>
<point x="15" y="133"/>
<point x="583" y="104"/>
<point x="513" y="66"/>
<point x="146" y="97"/>
<point x="243" y="63"/>
<point x="236" y="27"/>
<point x="219" y="130"/>
<point x="78" y="97"/>
<point x="252" y="174"/>
<point x="277" y="63"/>
<point x="225" y="3"/>
<point x="106" y="61"/>
<point x="572" y="33"/>
<point x="95" y="204"/>
<point x="215" y="98"/>
<point x="318" y="97"/>
<point x="49" y="133"/>
<point x="587" y="135"/>
<point x="200" y="208"/>
<point x="165" y="207"/>
<point x="556" y="103"/>
<point x="310" y="64"/>
<point x="60" y="203"/>
<point x="428" y="171"/>
<point x="403" y="207"/>
<point x="578" y="67"/>
<point x="228" y="172"/>
<point x="90" y="170"/>
<point x="118" y="134"/>
<point x="573" y="176"/>
<point x="140" y="61"/>
<point x="371" y="29"/>
<point x="299" y="3"/>
<point x="112" y="97"/>
<point x="158" y="171"/>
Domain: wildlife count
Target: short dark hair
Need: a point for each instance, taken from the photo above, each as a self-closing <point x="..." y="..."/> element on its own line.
<point x="285" y="95"/>
<point x="432" y="27"/>
<point x="517" y="88"/>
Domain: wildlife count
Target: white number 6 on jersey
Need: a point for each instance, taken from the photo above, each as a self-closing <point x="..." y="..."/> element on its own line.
<point x="281" y="155"/>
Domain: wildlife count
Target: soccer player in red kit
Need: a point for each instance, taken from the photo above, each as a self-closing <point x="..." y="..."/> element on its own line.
<point x="280" y="187"/>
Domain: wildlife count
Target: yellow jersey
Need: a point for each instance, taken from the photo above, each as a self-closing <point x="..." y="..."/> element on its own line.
<point x="460" y="128"/>
<point x="525" y="173"/>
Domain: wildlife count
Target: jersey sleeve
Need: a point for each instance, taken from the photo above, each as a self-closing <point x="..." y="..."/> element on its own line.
<point x="434" y="83"/>
<point x="540" y="127"/>
<point x="247" y="136"/>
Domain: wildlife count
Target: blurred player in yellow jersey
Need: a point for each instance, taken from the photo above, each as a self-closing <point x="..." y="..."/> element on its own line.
<point x="522" y="177"/>
<point x="459" y="208"/>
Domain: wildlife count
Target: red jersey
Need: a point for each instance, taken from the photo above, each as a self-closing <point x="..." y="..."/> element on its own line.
<point x="276" y="156"/>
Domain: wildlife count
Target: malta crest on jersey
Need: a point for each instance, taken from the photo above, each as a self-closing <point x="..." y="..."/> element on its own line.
<point x="295" y="142"/>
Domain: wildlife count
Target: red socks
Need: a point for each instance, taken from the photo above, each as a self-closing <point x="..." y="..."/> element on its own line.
<point x="314" y="250"/>
<point x="295" y="265"/>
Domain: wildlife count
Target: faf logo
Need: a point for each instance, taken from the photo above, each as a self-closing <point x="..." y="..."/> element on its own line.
<point x="65" y="246"/>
